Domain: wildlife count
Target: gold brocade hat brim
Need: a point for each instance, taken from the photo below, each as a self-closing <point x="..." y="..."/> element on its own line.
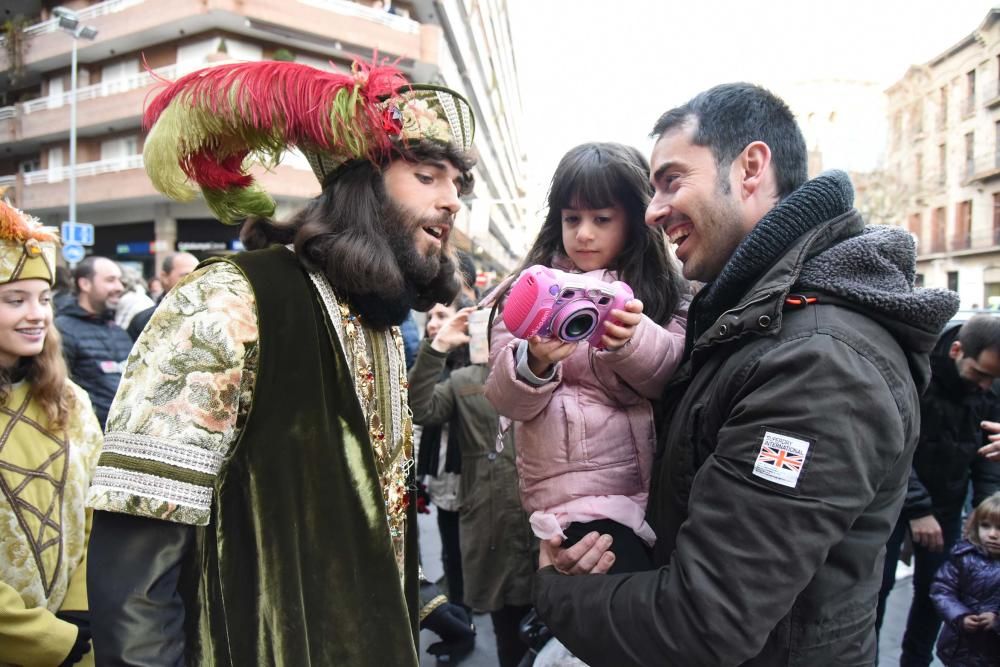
<point x="27" y="249"/>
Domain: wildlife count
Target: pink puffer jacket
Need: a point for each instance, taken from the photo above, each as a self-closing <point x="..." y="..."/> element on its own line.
<point x="589" y="431"/>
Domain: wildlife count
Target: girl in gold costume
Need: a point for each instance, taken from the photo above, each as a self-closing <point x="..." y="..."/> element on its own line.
<point x="49" y="443"/>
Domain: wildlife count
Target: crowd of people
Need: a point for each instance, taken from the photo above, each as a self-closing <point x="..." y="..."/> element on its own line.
<point x="725" y="473"/>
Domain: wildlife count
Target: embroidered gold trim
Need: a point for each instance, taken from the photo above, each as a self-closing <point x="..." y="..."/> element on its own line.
<point x="385" y="406"/>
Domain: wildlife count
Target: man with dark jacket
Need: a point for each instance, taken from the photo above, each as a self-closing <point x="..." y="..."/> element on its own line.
<point x="964" y="365"/>
<point x="784" y="454"/>
<point x="94" y="346"/>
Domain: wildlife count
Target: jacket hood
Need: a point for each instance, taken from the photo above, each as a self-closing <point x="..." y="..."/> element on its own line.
<point x="874" y="270"/>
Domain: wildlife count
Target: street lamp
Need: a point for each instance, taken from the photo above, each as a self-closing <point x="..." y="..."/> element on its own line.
<point x="70" y="24"/>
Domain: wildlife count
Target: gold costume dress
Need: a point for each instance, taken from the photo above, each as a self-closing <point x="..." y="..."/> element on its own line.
<point x="44" y="527"/>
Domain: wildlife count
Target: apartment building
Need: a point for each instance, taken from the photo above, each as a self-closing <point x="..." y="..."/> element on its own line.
<point x="943" y="164"/>
<point x="139" y="41"/>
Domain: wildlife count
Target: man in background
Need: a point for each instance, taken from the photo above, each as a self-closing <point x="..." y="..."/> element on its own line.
<point x="94" y="346"/>
<point x="174" y="268"/>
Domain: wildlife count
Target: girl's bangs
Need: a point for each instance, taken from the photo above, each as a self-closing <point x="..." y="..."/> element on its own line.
<point x="586" y="187"/>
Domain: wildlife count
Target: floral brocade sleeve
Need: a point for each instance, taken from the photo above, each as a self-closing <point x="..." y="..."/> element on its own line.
<point x="182" y="401"/>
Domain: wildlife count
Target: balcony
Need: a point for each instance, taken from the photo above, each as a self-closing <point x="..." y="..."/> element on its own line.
<point x="329" y="26"/>
<point x="122" y="181"/>
<point x="991" y="95"/>
<point x="968" y="107"/>
<point x="100" y="105"/>
<point x="8" y="124"/>
<point x="983" y="169"/>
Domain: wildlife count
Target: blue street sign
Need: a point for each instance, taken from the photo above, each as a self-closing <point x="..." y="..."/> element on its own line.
<point x="73" y="252"/>
<point x="78" y="232"/>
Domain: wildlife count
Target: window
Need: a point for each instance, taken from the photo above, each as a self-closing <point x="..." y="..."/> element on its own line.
<point x="915" y="227"/>
<point x="114" y="76"/>
<point x="996" y="218"/>
<point x="970" y="155"/>
<point x="120" y="148"/>
<point x="953" y="281"/>
<point x="970" y="92"/>
<point x="56" y="90"/>
<point x="938" y="229"/>
<point x="942" y="164"/>
<point x="996" y="145"/>
<point x="55" y="164"/>
<point x="943" y="108"/>
<point x="963" y="225"/>
<point x="917" y="118"/>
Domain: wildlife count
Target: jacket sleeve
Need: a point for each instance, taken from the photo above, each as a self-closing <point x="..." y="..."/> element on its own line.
<point x="944" y="594"/>
<point x="650" y="358"/>
<point x="918" y="501"/>
<point x="431" y="402"/>
<point x="76" y="594"/>
<point x="748" y="546"/>
<point x="31" y="636"/>
<point x="511" y="396"/>
<point x="137" y="615"/>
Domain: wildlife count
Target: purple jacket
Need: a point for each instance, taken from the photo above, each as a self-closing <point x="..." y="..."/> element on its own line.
<point x="589" y="431"/>
<point x="969" y="583"/>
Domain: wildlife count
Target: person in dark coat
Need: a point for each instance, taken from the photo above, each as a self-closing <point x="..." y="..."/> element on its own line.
<point x="496" y="540"/>
<point x="966" y="592"/>
<point x="964" y="364"/>
<point x="175" y="268"/>
<point x="94" y="346"/>
<point x="783" y="456"/>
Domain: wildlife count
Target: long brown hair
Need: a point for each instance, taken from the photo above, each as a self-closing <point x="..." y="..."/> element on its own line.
<point x="602" y="175"/>
<point x="342" y="232"/>
<point x="47" y="375"/>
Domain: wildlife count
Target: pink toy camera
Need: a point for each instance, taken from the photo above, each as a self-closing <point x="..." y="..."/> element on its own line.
<point x="569" y="306"/>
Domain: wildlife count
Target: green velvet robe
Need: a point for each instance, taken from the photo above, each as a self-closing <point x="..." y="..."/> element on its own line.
<point x="291" y="571"/>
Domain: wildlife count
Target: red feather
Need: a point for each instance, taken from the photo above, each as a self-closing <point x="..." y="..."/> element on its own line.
<point x="210" y="172"/>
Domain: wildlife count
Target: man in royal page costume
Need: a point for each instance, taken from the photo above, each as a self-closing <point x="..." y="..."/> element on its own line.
<point x="252" y="493"/>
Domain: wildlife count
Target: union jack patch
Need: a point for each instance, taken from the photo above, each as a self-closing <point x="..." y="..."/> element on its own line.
<point x="781" y="459"/>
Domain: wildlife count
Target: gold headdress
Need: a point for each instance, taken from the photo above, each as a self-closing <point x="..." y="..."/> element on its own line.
<point x="27" y="249"/>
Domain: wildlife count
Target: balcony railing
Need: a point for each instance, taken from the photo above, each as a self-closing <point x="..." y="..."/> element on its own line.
<point x="7" y="112"/>
<point x="8" y="181"/>
<point x="991" y="94"/>
<point x="968" y="107"/>
<point x="983" y="168"/>
<point x="349" y="8"/>
<point x="103" y="89"/>
<point x="59" y="174"/>
<point x="86" y="14"/>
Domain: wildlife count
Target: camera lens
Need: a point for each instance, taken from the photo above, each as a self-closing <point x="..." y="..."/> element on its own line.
<point x="579" y="326"/>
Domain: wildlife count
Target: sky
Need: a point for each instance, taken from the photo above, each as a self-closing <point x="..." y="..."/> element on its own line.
<point x="604" y="70"/>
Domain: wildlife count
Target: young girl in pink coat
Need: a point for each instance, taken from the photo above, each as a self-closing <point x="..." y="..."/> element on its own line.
<point x="582" y="417"/>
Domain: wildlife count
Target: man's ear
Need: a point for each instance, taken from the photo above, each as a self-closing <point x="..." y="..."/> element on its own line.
<point x="755" y="165"/>
<point x="955" y="351"/>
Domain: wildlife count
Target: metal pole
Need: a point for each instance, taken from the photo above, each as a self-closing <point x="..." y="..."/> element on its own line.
<point x="72" y="137"/>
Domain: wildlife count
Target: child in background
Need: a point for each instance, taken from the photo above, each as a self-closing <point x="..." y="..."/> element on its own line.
<point x="966" y="592"/>
<point x="583" y="418"/>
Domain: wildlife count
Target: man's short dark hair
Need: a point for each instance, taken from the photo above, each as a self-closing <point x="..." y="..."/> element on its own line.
<point x="730" y="117"/>
<point x="84" y="270"/>
<point x="981" y="332"/>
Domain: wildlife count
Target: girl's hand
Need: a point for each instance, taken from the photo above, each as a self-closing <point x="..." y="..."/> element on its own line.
<point x="543" y="352"/>
<point x="453" y="331"/>
<point x="619" y="332"/>
<point x="977" y="622"/>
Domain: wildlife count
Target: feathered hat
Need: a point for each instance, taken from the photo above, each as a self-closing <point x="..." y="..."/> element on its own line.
<point x="27" y="249"/>
<point x="208" y="127"/>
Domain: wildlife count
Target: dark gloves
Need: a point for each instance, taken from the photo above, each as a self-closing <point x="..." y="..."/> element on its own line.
<point x="453" y="624"/>
<point x="81" y="619"/>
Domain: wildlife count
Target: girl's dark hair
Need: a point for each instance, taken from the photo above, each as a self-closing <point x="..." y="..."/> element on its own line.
<point x="602" y="175"/>
<point x="342" y="232"/>
<point x="988" y="509"/>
